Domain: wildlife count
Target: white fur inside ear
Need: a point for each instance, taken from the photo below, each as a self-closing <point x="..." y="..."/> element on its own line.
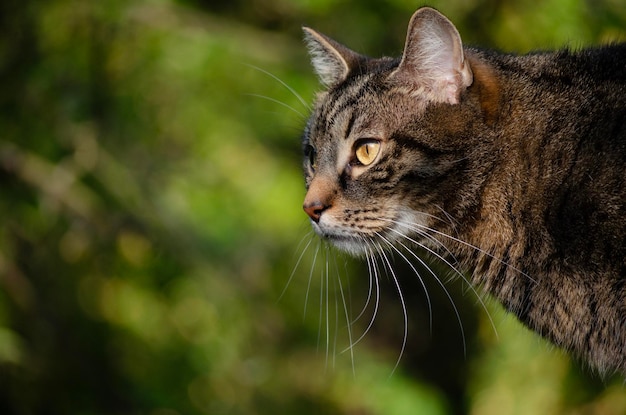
<point x="327" y="57"/>
<point x="433" y="57"/>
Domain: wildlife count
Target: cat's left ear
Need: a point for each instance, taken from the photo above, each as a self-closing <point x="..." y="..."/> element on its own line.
<point x="331" y="60"/>
<point x="433" y="58"/>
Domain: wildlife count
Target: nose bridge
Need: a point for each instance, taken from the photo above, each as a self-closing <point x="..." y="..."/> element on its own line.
<point x="321" y="188"/>
<point x="319" y="197"/>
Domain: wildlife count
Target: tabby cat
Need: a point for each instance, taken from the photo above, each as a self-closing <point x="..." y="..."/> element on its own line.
<point x="512" y="166"/>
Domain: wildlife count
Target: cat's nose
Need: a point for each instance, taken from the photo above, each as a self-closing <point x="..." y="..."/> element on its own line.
<point x="314" y="209"/>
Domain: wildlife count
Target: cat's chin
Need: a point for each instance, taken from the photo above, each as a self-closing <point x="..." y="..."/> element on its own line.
<point x="356" y="246"/>
<point x="353" y="246"/>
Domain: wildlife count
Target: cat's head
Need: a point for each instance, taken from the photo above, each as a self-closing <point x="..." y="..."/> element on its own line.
<point x="388" y="148"/>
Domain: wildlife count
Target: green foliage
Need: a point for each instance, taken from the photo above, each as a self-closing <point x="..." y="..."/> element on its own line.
<point x="150" y="171"/>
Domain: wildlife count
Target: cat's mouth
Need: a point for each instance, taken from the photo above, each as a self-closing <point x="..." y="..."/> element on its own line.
<point x="355" y="243"/>
<point x="385" y="234"/>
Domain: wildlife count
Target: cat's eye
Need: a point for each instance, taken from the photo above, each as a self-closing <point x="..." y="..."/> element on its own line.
<point x="366" y="151"/>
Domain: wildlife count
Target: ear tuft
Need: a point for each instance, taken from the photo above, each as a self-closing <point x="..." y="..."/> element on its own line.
<point x="433" y="59"/>
<point x="331" y="61"/>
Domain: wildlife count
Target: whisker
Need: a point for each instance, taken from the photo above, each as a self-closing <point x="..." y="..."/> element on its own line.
<point x="424" y="234"/>
<point x="326" y="277"/>
<point x="405" y="316"/>
<point x="451" y="220"/>
<point x="277" y="102"/>
<point x="424" y="228"/>
<point x="349" y="325"/>
<point x="437" y="243"/>
<point x="430" y="215"/>
<point x="445" y="290"/>
<point x="336" y="325"/>
<point x="369" y="289"/>
<point x="297" y="262"/>
<point x="375" y="277"/>
<point x="454" y="269"/>
<point x="283" y="83"/>
<point x="419" y="277"/>
<point x="308" y="287"/>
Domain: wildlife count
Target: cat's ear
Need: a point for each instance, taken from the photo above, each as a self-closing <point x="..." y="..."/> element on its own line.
<point x="331" y="60"/>
<point x="433" y="59"/>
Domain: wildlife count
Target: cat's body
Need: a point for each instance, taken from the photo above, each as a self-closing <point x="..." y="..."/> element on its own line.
<point x="512" y="166"/>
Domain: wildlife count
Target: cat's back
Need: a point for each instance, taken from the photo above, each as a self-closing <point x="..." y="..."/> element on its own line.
<point x="602" y="64"/>
<point x="592" y="65"/>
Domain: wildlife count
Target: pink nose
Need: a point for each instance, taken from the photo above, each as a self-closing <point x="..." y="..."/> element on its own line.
<point x="314" y="209"/>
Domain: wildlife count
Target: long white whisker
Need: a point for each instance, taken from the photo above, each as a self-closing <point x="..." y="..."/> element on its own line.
<point x="374" y="275"/>
<point x="455" y="270"/>
<point x="405" y="315"/>
<point x="419" y="277"/>
<point x="425" y="235"/>
<point x="447" y="293"/>
<point x="451" y="220"/>
<point x="297" y="263"/>
<point x="349" y="325"/>
<point x="370" y="264"/>
<point x="423" y="228"/>
<point x="283" y="83"/>
<point x="336" y="334"/>
<point x="308" y="287"/>
<point x="429" y="215"/>
<point x="326" y="276"/>
<point x="321" y="310"/>
<point x="277" y="102"/>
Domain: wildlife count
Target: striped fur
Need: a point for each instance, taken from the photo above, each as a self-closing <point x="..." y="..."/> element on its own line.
<point x="515" y="166"/>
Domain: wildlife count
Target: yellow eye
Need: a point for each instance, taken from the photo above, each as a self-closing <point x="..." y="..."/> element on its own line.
<point x="367" y="151"/>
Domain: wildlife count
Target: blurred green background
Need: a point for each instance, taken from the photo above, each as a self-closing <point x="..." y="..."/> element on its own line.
<point x="150" y="206"/>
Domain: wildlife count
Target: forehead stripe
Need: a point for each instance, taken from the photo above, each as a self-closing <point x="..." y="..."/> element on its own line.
<point x="350" y="125"/>
<point x="347" y="99"/>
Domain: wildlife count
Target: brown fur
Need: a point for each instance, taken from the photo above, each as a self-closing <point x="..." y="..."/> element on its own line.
<point x="519" y="160"/>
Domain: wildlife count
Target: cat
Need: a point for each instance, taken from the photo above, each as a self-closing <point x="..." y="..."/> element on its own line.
<point x="512" y="166"/>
